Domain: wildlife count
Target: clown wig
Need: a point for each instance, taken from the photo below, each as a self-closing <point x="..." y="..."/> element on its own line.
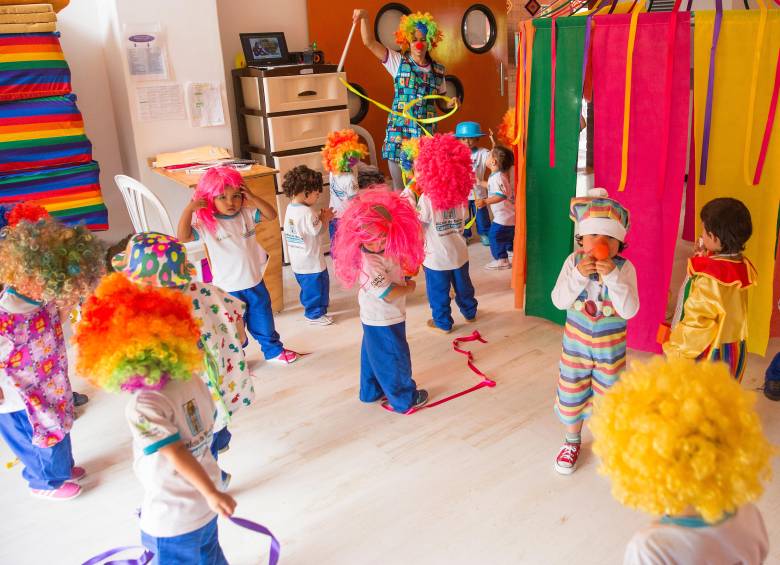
<point x="377" y="215"/>
<point x="410" y="149"/>
<point x="443" y="171"/>
<point x="677" y="434"/>
<point x="418" y="21"/>
<point x="506" y="129"/>
<point x="213" y="184"/>
<point x="48" y="261"/>
<point x="136" y="337"/>
<point x="342" y="151"/>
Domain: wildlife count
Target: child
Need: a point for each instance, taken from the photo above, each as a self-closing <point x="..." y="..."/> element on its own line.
<point x="226" y="214"/>
<point x="469" y="133"/>
<point x="597" y="288"/>
<point x="45" y="267"/>
<point x="159" y="260"/>
<point x="683" y="442"/>
<point x="379" y="239"/>
<point x="502" y="203"/>
<point x="340" y="157"/>
<point x="711" y="320"/>
<point x="144" y="340"/>
<point x="444" y="176"/>
<point x="302" y="230"/>
<point x="368" y="176"/>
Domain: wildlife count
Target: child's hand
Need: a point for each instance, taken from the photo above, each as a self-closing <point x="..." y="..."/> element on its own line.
<point x="479" y="203"/>
<point x="359" y="14"/>
<point x="698" y="249"/>
<point x="197" y="204"/>
<point x="587" y="265"/>
<point x="605" y="267"/>
<point x="221" y="503"/>
<point x="326" y="215"/>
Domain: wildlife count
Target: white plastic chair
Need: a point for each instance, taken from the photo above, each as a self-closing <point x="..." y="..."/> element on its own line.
<point x="363" y="132"/>
<point x="136" y="197"/>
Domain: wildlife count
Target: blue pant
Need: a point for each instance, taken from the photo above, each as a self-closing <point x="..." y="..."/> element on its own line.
<point x="219" y="441"/>
<point x="483" y="220"/>
<point x="44" y="468"/>
<point x="502" y="239"/>
<point x="332" y="226"/>
<point x="259" y="319"/>
<point x="386" y="366"/>
<point x="437" y="286"/>
<point x="200" y="547"/>
<point x="315" y="293"/>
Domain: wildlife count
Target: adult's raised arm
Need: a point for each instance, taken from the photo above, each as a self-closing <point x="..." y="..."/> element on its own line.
<point x="360" y="16"/>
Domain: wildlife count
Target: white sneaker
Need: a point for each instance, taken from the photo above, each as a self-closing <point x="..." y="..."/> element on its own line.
<point x="498" y="264"/>
<point x="323" y="320"/>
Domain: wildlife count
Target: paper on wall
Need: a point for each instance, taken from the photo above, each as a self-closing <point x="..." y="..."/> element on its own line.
<point x="147" y="58"/>
<point x="204" y="101"/>
<point x="160" y="102"/>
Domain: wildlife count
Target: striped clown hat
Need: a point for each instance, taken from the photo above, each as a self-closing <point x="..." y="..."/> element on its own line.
<point x="597" y="214"/>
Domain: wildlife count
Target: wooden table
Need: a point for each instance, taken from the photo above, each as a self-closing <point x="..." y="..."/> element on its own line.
<point x="261" y="182"/>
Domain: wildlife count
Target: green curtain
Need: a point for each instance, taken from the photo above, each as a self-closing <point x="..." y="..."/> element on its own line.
<point x="549" y="190"/>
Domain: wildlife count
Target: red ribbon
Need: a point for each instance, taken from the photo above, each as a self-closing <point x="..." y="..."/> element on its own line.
<point x="770" y="119"/>
<point x="485" y="382"/>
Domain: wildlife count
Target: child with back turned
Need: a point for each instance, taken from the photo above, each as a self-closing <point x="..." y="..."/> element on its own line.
<point x="501" y="199"/>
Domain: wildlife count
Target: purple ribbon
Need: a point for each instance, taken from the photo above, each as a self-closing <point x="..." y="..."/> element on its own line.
<point x="705" y="139"/>
<point x="273" y="557"/>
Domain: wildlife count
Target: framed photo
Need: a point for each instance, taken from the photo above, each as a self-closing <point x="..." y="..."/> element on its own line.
<point x="264" y="49"/>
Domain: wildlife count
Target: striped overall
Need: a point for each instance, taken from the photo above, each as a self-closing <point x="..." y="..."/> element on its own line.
<point x="732" y="354"/>
<point x="594" y="353"/>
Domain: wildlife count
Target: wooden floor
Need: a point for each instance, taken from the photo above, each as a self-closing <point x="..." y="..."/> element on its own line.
<point x="344" y="483"/>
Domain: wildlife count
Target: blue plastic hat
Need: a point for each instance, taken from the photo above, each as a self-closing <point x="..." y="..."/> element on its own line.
<point x="468" y="129"/>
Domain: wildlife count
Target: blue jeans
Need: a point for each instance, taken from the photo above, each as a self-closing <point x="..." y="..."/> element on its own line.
<point x="315" y="293"/>
<point x="437" y="287"/>
<point x="44" y="468"/>
<point x="219" y="441"/>
<point x="386" y="366"/>
<point x="332" y="226"/>
<point x="259" y="319"/>
<point x="483" y="220"/>
<point x="200" y="547"/>
<point x="502" y="239"/>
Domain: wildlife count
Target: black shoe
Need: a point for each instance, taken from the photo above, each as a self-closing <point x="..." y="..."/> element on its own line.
<point x="420" y="398"/>
<point x="79" y="399"/>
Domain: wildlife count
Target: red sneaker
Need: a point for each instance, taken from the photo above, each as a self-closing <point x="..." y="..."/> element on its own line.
<point x="286" y="357"/>
<point x="566" y="461"/>
<point x="77" y="473"/>
<point x="66" y="491"/>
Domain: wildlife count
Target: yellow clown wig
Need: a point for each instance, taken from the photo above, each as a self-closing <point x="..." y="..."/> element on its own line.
<point x="342" y="151"/>
<point x="134" y="337"/>
<point x="674" y="435"/>
<point x="418" y="21"/>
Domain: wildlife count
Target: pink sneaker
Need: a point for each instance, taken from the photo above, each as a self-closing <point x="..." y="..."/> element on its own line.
<point x="78" y="473"/>
<point x="286" y="357"/>
<point x="66" y="491"/>
<point x="566" y="461"/>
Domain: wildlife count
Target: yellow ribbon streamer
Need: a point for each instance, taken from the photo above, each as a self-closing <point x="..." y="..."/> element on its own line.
<point x="753" y="87"/>
<point x="627" y="96"/>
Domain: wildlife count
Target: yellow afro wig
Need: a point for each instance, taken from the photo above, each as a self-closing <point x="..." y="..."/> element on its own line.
<point x="677" y="434"/>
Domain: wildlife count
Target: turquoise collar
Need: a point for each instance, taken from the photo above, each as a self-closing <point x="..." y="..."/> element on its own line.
<point x="27" y="299"/>
<point x="226" y="216"/>
<point x="692" y="521"/>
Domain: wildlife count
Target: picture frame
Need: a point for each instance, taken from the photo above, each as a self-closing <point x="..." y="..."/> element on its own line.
<point x="264" y="49"/>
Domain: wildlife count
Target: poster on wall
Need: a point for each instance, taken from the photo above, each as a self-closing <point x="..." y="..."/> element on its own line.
<point x="204" y="103"/>
<point x="160" y="102"/>
<point x="147" y="58"/>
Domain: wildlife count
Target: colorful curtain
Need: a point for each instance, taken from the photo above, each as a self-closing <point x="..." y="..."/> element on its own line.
<point x="743" y="78"/>
<point x="652" y="195"/>
<point x="549" y="189"/>
<point x="31" y="66"/>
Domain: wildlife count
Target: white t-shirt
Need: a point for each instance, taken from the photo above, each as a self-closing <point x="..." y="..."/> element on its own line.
<point x="504" y="211"/>
<point x="479" y="157"/>
<point x="739" y="540"/>
<point x="182" y="411"/>
<point x="379" y="277"/>
<point x="343" y="188"/>
<point x="302" y="229"/>
<point x="392" y="63"/>
<point x="238" y="261"/>
<point x="12" y="400"/>
<point x="445" y="247"/>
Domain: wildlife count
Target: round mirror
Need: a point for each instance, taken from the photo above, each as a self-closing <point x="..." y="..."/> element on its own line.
<point x="478" y="28"/>
<point x="357" y="106"/>
<point x="454" y="90"/>
<point x="386" y="24"/>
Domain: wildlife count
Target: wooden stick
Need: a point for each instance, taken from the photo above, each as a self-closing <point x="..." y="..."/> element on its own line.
<point x="346" y="48"/>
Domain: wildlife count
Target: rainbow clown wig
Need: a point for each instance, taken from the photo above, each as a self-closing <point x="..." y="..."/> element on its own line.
<point x="410" y="149"/>
<point x="506" y="129"/>
<point x="418" y="21"/>
<point x="677" y="434"/>
<point x="48" y="261"/>
<point x="443" y="171"/>
<point x="342" y="151"/>
<point x="212" y="184"/>
<point x="377" y="215"/>
<point x="135" y="337"/>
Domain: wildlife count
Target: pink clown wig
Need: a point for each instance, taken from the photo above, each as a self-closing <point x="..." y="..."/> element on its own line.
<point x="377" y="215"/>
<point x="211" y="185"/>
<point x="443" y="171"/>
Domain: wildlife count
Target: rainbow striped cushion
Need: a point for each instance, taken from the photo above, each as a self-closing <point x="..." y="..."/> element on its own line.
<point x="71" y="194"/>
<point x="31" y="66"/>
<point x="44" y="132"/>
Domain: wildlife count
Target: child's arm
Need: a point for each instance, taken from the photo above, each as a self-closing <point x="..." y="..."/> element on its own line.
<point x="189" y="468"/>
<point x="397" y="291"/>
<point x="482" y="202"/>
<point x="251" y="201"/>
<point x="492" y="138"/>
<point x="572" y="280"/>
<point x="184" y="230"/>
<point x="700" y="324"/>
<point x="361" y="17"/>
<point x="326" y="215"/>
<point x="621" y="283"/>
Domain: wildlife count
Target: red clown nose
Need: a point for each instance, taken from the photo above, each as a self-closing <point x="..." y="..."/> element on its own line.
<point x="419" y="45"/>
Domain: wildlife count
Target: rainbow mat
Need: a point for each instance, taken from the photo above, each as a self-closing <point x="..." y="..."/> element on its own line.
<point x="31" y="66"/>
<point x="44" y="132"/>
<point x="70" y="194"/>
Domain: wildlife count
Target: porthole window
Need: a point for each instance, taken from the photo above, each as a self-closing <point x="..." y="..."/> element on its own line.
<point x="454" y="90"/>
<point x="386" y="24"/>
<point x="357" y="106"/>
<point x="478" y="28"/>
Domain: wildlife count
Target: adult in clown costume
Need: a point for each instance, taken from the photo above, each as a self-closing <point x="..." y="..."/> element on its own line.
<point x="415" y="74"/>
